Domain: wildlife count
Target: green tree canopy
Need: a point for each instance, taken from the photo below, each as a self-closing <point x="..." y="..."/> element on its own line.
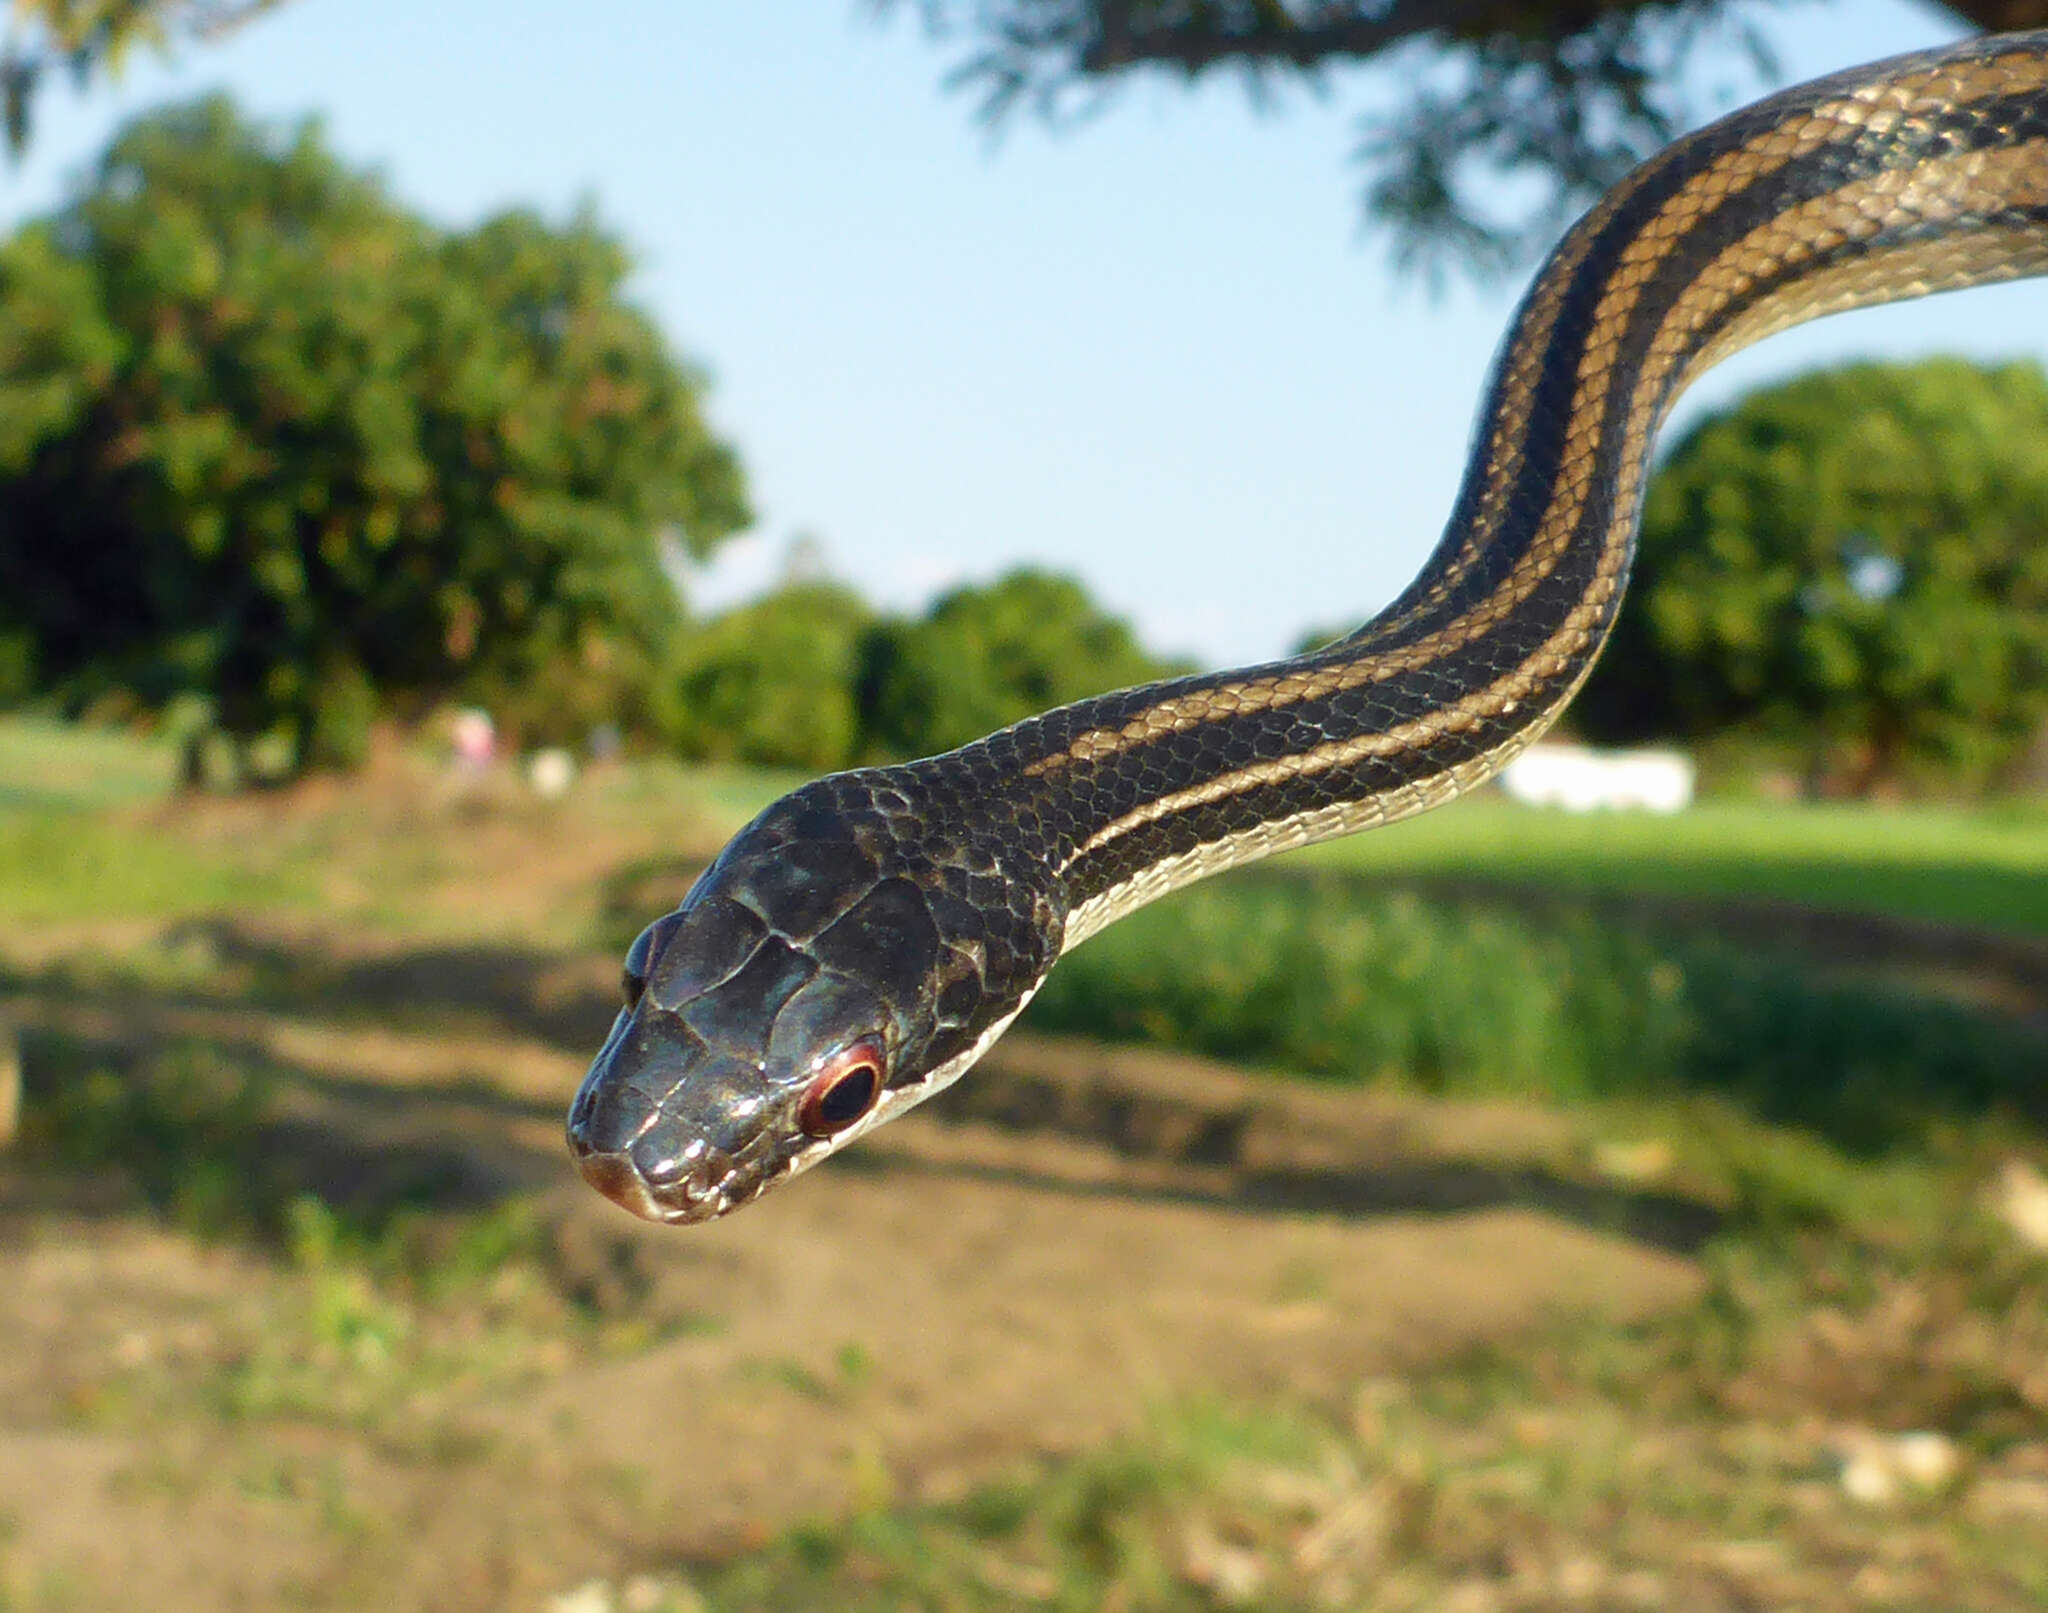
<point x="269" y="437"/>
<point x="771" y="682"/>
<point x="809" y="676"/>
<point x="1854" y="564"/>
<point x="985" y="656"/>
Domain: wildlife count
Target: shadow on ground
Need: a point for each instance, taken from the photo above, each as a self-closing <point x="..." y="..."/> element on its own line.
<point x="438" y="1077"/>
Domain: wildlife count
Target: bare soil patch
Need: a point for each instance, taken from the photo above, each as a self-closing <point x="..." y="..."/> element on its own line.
<point x="1085" y="1234"/>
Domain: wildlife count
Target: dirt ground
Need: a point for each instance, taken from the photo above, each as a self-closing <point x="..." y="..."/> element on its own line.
<point x="1080" y="1236"/>
<point x="1070" y="1239"/>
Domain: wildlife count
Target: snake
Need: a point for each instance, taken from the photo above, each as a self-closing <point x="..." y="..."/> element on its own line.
<point x="860" y="944"/>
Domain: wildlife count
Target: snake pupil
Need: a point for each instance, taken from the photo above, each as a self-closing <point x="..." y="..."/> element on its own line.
<point x="844" y="1092"/>
<point x="846" y="1100"/>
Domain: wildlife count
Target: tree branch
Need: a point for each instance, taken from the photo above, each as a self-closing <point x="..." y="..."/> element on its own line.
<point x="1271" y="34"/>
<point x="1130" y="33"/>
<point x="89" y="36"/>
<point x="1569" y="93"/>
<point x="2000" y="16"/>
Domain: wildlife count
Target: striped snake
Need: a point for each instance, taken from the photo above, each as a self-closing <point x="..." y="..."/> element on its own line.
<point x="864" y="940"/>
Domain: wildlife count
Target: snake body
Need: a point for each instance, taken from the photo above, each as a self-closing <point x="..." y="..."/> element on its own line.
<point x="864" y="940"/>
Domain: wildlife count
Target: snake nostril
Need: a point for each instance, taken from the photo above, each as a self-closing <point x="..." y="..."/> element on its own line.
<point x="579" y="1115"/>
<point x="607" y="1113"/>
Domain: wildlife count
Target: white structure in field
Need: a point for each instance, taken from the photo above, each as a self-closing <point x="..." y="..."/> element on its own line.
<point x="1581" y="779"/>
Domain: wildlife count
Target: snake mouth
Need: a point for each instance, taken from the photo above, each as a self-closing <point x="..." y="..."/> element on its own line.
<point x="701" y="1186"/>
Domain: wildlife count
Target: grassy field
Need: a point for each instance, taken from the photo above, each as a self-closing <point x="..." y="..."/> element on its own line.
<point x="1978" y="865"/>
<point x="1965" y="865"/>
<point x="46" y="764"/>
<point x="90" y="831"/>
<point x="1984" y="866"/>
<point x="289" y="1234"/>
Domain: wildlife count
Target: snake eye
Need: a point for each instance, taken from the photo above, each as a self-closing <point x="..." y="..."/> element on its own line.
<point x="641" y="956"/>
<point x="843" y="1091"/>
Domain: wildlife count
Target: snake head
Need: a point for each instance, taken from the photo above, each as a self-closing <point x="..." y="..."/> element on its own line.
<point x="825" y="973"/>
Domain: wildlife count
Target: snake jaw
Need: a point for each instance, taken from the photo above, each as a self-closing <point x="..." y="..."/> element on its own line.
<point x="613" y="1175"/>
<point x="700" y="1186"/>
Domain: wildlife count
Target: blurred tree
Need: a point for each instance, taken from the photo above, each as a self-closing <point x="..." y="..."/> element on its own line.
<point x="1561" y="97"/>
<point x="82" y="37"/>
<point x="982" y="657"/>
<point x="771" y="682"/>
<point x="1316" y="638"/>
<point x="1855" y="564"/>
<point x="270" y="438"/>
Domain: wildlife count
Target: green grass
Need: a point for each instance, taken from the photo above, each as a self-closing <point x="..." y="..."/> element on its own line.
<point x="1314" y="972"/>
<point x="1984" y="865"/>
<point x="81" y="836"/>
<point x="1693" y="1460"/>
<point x="60" y="864"/>
<point x="392" y="1286"/>
<point x="1452" y="1503"/>
<point x="91" y="830"/>
<point x="62" y="855"/>
<point x="1847" y="1133"/>
<point x="1586" y="1466"/>
<point x="725" y="794"/>
<point x="49" y="764"/>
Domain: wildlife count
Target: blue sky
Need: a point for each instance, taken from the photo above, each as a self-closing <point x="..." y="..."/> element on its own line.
<point x="1155" y="351"/>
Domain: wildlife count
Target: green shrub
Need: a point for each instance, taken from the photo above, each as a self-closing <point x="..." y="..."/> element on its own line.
<point x="987" y="655"/>
<point x="1337" y="979"/>
<point x="182" y="1124"/>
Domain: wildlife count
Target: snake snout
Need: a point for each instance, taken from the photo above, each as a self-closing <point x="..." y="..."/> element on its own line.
<point x="648" y="1170"/>
<point x="604" y="1151"/>
<point x="657" y="1186"/>
<point x="668" y="1129"/>
<point x="613" y="1175"/>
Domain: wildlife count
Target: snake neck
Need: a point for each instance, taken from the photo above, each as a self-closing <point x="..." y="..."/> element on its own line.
<point x="1926" y="173"/>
